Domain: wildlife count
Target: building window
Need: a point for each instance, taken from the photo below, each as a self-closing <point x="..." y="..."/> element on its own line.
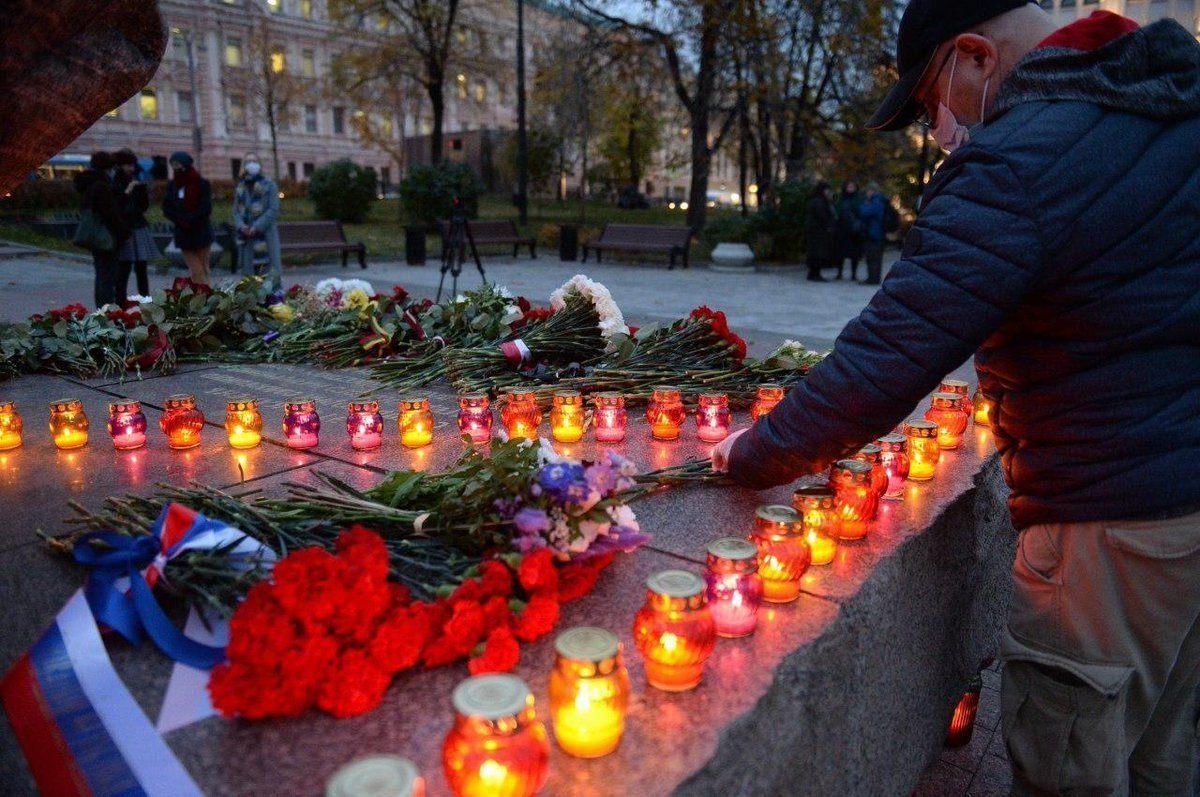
<point x="339" y="121"/>
<point x="461" y="81"/>
<point x="385" y="175"/>
<point x="480" y="91"/>
<point x="306" y="9"/>
<point x="178" y="44"/>
<point x="1066" y="4"/>
<point x="115" y="113"/>
<point x="184" y="103"/>
<point x="308" y="170"/>
<point x="292" y="171"/>
<point x="274" y="6"/>
<point x="310" y="118"/>
<point x="237" y="112"/>
<point x="148" y="104"/>
<point x="233" y="51"/>
<point x="456" y="144"/>
<point x="308" y="63"/>
<point x="235" y="167"/>
<point x="278" y="60"/>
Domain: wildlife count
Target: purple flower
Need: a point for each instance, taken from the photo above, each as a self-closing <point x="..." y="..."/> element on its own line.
<point x="618" y="538"/>
<point x="527" y="545"/>
<point x="530" y="521"/>
<point x="601" y="478"/>
<point x="557" y="477"/>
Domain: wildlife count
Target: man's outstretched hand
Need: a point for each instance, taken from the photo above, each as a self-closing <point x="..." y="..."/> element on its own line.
<point x="722" y="450"/>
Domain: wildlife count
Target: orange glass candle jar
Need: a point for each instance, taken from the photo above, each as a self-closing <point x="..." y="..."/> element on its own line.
<point x="857" y="500"/>
<point x="364" y="424"/>
<point x="872" y="454"/>
<point x="962" y="722"/>
<point x="475" y="416"/>
<point x="765" y="400"/>
<point x="713" y="418"/>
<point x="11" y="426"/>
<point x="589" y="692"/>
<point x="947" y="412"/>
<point x="416" y="422"/>
<point x="127" y="425"/>
<point x="68" y="424"/>
<point x="182" y="421"/>
<point x="734" y="587"/>
<point x="958" y="388"/>
<point x="497" y="746"/>
<point x="817" y="507"/>
<point x="301" y="423"/>
<point x="783" y="552"/>
<point x="566" y="416"/>
<point x="983" y="408"/>
<point x="521" y="416"/>
<point x="611" y="418"/>
<point x="377" y="776"/>
<point x="894" y="452"/>
<point x="243" y="423"/>
<point x="923" y="449"/>
<point x="666" y="413"/>
<point x="674" y="630"/>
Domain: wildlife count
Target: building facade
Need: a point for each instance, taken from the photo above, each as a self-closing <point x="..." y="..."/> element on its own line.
<point x="1185" y="12"/>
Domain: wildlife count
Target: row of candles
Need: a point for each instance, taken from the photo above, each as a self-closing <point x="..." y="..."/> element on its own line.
<point x="499" y="746"/>
<point x="182" y="421"/>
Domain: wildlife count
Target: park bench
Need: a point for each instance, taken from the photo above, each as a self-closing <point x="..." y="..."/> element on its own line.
<point x="309" y="237"/>
<point x="671" y="241"/>
<point x="494" y="233"/>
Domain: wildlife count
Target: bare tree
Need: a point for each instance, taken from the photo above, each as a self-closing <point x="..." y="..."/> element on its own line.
<point x="268" y="80"/>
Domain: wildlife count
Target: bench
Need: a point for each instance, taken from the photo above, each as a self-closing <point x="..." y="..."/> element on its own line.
<point x="671" y="241"/>
<point x="491" y="233"/>
<point x="308" y="237"/>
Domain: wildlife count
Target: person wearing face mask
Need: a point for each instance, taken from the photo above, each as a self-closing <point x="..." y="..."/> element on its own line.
<point x="1058" y="244"/>
<point x="101" y="200"/>
<point x="255" y="220"/>
<point x="187" y="204"/>
<point x="139" y="247"/>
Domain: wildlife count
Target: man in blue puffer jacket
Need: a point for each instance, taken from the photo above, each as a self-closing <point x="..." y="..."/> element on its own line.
<point x="1059" y="244"/>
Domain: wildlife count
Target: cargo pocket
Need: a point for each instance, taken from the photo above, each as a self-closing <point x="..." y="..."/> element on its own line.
<point x="1064" y="723"/>
<point x="1177" y="538"/>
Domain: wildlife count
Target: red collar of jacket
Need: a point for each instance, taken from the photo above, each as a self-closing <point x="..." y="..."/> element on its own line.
<point x="1090" y="33"/>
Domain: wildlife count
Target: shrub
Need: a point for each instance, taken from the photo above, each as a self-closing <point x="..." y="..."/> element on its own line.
<point x="729" y="229"/>
<point x="428" y="190"/>
<point x="342" y="191"/>
<point x="33" y="195"/>
<point x="549" y="236"/>
<point x="783" y="220"/>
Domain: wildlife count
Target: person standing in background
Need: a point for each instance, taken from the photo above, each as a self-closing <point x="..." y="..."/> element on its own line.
<point x="188" y="205"/>
<point x="99" y="197"/>
<point x="873" y="214"/>
<point x="819" y="224"/>
<point x="849" y="229"/>
<point x="256" y="220"/>
<point x="139" y="247"/>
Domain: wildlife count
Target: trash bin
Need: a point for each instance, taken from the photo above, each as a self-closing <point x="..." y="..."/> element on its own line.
<point x="568" y="242"/>
<point x="414" y="245"/>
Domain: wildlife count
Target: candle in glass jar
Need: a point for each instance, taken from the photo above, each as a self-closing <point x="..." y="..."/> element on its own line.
<point x="566" y="416"/>
<point x="301" y="423"/>
<point x="497" y="745"/>
<point x="377" y="776"/>
<point x="182" y="421"/>
<point x="983" y="408"/>
<point x="958" y="388"/>
<point x="475" y="416"/>
<point x="783" y="552"/>
<point x="364" y="424"/>
<point x="589" y="692"/>
<point x="923" y="449"/>
<point x="11" y="426"/>
<point x="521" y="415"/>
<point x="674" y="630"/>
<point x="765" y="400"/>
<point x="713" y="418"/>
<point x="68" y="424"/>
<point x="857" y="500"/>
<point x="416" y="422"/>
<point x="734" y="588"/>
<point x="947" y="412"/>
<point x="962" y="721"/>
<point x="894" y="448"/>
<point x="872" y="454"/>
<point x="127" y="425"/>
<point x="665" y="413"/>
<point x="243" y="423"/>
<point x="817" y="508"/>
<point x="611" y="418"/>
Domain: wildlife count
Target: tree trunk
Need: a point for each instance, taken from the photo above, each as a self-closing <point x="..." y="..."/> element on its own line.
<point x="437" y="105"/>
<point x="635" y="178"/>
<point x="701" y="165"/>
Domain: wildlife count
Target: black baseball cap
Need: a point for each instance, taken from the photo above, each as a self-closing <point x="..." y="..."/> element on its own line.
<point x="924" y="26"/>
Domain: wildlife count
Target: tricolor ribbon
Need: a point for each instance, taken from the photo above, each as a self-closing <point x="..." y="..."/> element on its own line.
<point x="414" y="323"/>
<point x="125" y="569"/>
<point x="516" y="352"/>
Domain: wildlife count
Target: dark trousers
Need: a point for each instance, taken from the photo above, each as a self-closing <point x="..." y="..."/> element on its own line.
<point x="105" y="264"/>
<point x="873" y="252"/>
<point x="851" y="249"/>
<point x="122" y="282"/>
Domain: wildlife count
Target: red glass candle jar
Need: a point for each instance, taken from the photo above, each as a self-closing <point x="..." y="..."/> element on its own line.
<point x="765" y="400"/>
<point x="983" y="408"/>
<point x="923" y="449"/>
<point x="182" y="421"/>
<point x="475" y="416"/>
<point x="243" y="423"/>
<point x="857" y="500"/>
<point x="734" y="588"/>
<point x="301" y="423"/>
<point x="611" y="418"/>
<point x="674" y="630"/>
<point x="416" y="422"/>
<point x="947" y="412"/>
<point x="962" y="722"/>
<point x="872" y="454"/>
<point x="497" y="745"/>
<point x="894" y="452"/>
<point x="11" y="426"/>
<point x="589" y="692"/>
<point x="783" y="552"/>
<point x="666" y="413"/>
<point x="521" y="416"/>
<point x="68" y="424"/>
<point x="958" y="388"/>
<point x="566" y="416"/>
<point x="817" y="507"/>
<point x="127" y="425"/>
<point x="364" y="424"/>
<point x="713" y="418"/>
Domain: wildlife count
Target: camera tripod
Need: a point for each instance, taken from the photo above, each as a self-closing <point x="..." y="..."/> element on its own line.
<point x="454" y="250"/>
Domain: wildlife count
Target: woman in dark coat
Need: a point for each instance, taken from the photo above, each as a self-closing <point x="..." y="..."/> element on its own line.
<point x="188" y="205"/>
<point x="139" y="248"/>
<point x="819" y="225"/>
<point x="95" y="185"/>
<point x="849" y="229"/>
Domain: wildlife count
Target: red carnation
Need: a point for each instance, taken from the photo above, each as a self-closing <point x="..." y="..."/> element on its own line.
<point x="537" y="619"/>
<point x="496" y="578"/>
<point x="355" y="685"/>
<point x="496" y="613"/>
<point x="469" y="591"/>
<point x="158" y="345"/>
<point x="500" y="654"/>
<point x="537" y="573"/>
<point x="579" y="578"/>
<point x="399" y="294"/>
<point x="364" y="551"/>
<point x="400" y="639"/>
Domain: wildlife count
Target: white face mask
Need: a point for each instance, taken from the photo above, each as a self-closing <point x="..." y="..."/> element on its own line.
<point x="947" y="131"/>
<point x="253" y="168"/>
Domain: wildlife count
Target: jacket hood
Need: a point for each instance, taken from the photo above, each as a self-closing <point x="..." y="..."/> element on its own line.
<point x="1153" y="72"/>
